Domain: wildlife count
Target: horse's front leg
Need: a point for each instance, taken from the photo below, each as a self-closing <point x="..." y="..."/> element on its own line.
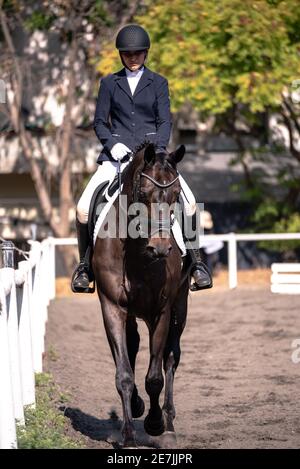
<point x="133" y="342"/>
<point x="114" y="319"/>
<point x="154" y="424"/>
<point x="172" y="355"/>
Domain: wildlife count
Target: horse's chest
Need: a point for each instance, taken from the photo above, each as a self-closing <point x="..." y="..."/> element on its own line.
<point x="142" y="297"/>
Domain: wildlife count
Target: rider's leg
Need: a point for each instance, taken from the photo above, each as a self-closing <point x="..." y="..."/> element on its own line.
<point x="199" y="270"/>
<point x="82" y="275"/>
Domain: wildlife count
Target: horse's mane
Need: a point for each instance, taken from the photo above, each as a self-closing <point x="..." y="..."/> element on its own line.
<point x="135" y="165"/>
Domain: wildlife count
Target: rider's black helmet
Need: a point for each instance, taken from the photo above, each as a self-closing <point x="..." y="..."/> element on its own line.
<point x="132" y="37"/>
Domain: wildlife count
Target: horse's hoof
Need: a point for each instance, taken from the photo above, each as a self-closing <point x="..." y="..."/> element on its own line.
<point x="168" y="440"/>
<point x="137" y="407"/>
<point x="154" y="427"/>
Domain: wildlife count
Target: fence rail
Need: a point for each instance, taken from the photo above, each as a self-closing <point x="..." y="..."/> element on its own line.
<point x="25" y="294"/>
<point x="232" y="240"/>
<point x="285" y="278"/>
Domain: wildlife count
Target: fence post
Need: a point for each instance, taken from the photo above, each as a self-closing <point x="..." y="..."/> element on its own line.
<point x="232" y="260"/>
<point x="44" y="292"/>
<point x="35" y="254"/>
<point x="52" y="272"/>
<point x="7" y="248"/>
<point x="13" y="341"/>
<point x="8" y="438"/>
<point x="25" y="332"/>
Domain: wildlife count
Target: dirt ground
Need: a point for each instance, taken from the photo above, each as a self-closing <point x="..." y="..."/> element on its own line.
<point x="236" y="385"/>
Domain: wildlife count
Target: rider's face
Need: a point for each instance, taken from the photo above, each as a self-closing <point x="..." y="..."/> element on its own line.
<point x="134" y="59"/>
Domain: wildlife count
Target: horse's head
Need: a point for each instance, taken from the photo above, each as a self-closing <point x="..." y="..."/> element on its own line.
<point x="158" y="188"/>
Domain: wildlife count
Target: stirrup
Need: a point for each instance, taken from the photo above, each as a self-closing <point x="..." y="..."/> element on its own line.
<point x="202" y="267"/>
<point x="83" y="290"/>
<point x="85" y="268"/>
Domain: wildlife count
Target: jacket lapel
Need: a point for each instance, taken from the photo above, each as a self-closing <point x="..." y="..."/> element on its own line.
<point x="145" y="79"/>
<point x="122" y="81"/>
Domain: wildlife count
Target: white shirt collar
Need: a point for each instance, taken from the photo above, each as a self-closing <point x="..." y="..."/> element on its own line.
<point x="136" y="73"/>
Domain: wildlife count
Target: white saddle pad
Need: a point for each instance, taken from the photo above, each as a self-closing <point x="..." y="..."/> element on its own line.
<point x="103" y="213"/>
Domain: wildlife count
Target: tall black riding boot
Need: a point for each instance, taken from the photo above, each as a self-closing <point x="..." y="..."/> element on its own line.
<point x="82" y="275"/>
<point x="199" y="271"/>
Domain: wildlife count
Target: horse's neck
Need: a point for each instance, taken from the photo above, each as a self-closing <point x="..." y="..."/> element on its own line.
<point x="130" y="174"/>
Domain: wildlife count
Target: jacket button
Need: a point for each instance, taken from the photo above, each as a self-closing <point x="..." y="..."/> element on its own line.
<point x="133" y="124"/>
<point x="132" y="112"/>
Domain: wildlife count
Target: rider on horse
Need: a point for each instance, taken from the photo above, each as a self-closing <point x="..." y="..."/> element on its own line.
<point x="136" y="101"/>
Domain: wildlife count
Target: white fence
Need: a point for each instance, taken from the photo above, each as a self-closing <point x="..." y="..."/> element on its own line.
<point x="24" y="298"/>
<point x="232" y="240"/>
<point x="285" y="278"/>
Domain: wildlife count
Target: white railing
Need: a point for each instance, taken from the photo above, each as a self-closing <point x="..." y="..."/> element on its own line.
<point x="25" y="294"/>
<point x="232" y="240"/>
<point x="285" y="278"/>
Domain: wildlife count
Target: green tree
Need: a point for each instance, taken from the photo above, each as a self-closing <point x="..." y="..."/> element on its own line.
<point x="236" y="60"/>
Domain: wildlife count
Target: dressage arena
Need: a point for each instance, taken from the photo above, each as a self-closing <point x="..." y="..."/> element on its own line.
<point x="236" y="385"/>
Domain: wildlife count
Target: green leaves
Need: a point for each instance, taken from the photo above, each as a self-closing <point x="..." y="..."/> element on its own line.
<point x="214" y="53"/>
<point x="234" y="59"/>
<point x="39" y="20"/>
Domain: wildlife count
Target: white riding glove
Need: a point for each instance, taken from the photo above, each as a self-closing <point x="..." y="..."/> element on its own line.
<point x="119" y="150"/>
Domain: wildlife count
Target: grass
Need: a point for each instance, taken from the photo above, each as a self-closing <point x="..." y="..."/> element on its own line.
<point x="45" y="426"/>
<point x="52" y="353"/>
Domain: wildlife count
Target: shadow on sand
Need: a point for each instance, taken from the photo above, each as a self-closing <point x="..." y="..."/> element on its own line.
<point x="109" y="430"/>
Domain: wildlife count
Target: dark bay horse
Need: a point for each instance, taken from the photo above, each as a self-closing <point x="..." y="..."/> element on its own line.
<point x="142" y="278"/>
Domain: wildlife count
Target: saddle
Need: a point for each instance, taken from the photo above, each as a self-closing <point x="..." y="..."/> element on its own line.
<point x="104" y="192"/>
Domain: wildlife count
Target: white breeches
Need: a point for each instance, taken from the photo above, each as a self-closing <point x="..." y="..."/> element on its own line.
<point x="106" y="172"/>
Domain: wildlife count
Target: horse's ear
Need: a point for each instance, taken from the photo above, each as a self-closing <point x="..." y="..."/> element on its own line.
<point x="149" y="154"/>
<point x="178" y="154"/>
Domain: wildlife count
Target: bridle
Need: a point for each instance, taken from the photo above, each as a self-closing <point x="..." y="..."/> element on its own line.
<point x="162" y="224"/>
<point x="158" y="184"/>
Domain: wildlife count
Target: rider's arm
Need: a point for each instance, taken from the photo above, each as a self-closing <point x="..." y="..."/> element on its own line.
<point x="101" y="122"/>
<point x="163" y="118"/>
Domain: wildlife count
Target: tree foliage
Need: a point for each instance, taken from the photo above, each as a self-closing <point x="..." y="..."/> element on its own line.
<point x="216" y="52"/>
<point x="236" y="60"/>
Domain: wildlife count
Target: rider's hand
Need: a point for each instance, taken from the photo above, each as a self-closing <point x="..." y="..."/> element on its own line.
<point x="119" y="150"/>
